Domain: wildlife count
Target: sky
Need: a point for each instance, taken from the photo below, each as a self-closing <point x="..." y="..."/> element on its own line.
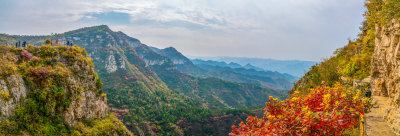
<point x="278" y="29"/>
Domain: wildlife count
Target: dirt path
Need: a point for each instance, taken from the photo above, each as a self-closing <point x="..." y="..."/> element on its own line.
<point x="375" y="124"/>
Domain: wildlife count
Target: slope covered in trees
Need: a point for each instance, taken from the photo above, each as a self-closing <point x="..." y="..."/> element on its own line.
<point x="358" y="60"/>
<point x="353" y="61"/>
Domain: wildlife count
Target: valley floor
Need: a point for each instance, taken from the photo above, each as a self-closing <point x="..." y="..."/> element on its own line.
<point x="375" y="123"/>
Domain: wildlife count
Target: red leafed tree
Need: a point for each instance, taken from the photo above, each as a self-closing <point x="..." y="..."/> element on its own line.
<point x="323" y="111"/>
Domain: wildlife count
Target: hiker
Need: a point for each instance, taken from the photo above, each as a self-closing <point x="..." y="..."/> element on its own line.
<point x="67" y="43"/>
<point x="24" y="44"/>
<point x="56" y="42"/>
<point x="368" y="93"/>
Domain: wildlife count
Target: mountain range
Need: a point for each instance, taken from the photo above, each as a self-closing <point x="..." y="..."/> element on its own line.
<point x="296" y="68"/>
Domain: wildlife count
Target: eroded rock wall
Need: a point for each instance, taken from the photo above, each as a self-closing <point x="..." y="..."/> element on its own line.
<point x="385" y="68"/>
<point x="12" y="89"/>
<point x="87" y="104"/>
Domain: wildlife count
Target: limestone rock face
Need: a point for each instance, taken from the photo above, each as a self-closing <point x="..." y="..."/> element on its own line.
<point x="111" y="64"/>
<point x="385" y="71"/>
<point x="87" y="105"/>
<point x="15" y="88"/>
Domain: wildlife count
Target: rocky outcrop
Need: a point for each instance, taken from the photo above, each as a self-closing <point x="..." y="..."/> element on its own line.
<point x="62" y="79"/>
<point x="111" y="64"/>
<point x="385" y="71"/>
<point x="87" y="105"/>
<point x="12" y="90"/>
<point x="150" y="62"/>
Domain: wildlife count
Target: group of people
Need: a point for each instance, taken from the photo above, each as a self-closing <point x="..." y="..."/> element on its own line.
<point x="18" y="44"/>
<point x="24" y="43"/>
<point x="69" y="43"/>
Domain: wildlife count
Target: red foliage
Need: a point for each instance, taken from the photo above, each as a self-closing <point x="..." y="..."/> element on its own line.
<point x="41" y="73"/>
<point x="323" y="111"/>
<point x="26" y="55"/>
<point x="35" y="59"/>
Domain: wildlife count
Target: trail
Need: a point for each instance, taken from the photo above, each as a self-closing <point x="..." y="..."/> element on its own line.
<point x="375" y="123"/>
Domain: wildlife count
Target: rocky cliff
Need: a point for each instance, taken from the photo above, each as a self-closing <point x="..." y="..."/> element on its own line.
<point x="12" y="90"/>
<point x="385" y="70"/>
<point x="46" y="90"/>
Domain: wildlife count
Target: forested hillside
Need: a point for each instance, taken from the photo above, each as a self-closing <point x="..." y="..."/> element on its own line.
<point x="353" y="61"/>
<point x="334" y="84"/>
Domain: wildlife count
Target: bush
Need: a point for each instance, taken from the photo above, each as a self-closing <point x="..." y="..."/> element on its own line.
<point x="323" y="111"/>
<point x="35" y="59"/>
<point x="26" y="55"/>
<point x="4" y="95"/>
<point x="42" y="73"/>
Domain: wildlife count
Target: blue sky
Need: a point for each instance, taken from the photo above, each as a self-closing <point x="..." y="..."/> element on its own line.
<point x="279" y="29"/>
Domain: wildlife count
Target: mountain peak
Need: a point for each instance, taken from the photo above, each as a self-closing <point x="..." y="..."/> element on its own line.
<point x="104" y="27"/>
<point x="170" y="49"/>
<point x="89" y="29"/>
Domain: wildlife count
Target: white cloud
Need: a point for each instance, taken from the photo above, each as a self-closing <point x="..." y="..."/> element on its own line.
<point x="253" y="28"/>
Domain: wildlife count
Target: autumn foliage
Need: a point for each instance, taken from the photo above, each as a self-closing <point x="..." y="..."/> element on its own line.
<point x="26" y="55"/>
<point x="323" y="111"/>
<point x="41" y="73"/>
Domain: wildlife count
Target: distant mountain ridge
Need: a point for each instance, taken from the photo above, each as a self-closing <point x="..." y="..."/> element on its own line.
<point x="224" y="64"/>
<point x="293" y="67"/>
<point x="230" y="72"/>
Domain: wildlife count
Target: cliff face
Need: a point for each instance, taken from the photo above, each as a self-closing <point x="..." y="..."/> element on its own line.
<point x="385" y="70"/>
<point x="79" y="83"/>
<point x="12" y="89"/>
<point x="48" y="88"/>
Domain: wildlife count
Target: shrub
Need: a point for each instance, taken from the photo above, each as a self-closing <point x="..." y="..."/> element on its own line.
<point x="42" y="73"/>
<point x="4" y="95"/>
<point x="35" y="59"/>
<point x="323" y="111"/>
<point x="26" y="55"/>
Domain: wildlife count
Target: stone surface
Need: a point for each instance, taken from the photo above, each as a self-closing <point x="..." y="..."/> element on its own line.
<point x="385" y="71"/>
<point x="111" y="64"/>
<point x="87" y="105"/>
<point x="375" y="122"/>
<point x="15" y="87"/>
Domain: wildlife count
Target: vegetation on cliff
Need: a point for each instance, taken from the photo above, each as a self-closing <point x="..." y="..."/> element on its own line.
<point x="353" y="61"/>
<point x="51" y="75"/>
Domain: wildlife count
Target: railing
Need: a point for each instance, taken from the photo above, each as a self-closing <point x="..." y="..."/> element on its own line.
<point x="362" y="125"/>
